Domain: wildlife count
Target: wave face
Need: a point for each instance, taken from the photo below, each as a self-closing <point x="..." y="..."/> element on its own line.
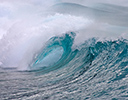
<point x="49" y="51"/>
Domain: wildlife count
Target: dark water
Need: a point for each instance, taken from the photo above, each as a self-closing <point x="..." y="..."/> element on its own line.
<point x="96" y="70"/>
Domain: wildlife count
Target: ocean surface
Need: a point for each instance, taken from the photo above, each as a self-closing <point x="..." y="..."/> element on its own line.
<point x="63" y="50"/>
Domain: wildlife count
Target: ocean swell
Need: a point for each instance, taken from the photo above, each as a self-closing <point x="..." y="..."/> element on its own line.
<point x="92" y="57"/>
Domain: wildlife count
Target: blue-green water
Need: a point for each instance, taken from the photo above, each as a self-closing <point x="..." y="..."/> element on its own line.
<point x="63" y="50"/>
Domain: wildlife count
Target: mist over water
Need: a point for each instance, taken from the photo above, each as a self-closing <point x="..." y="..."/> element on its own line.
<point x="61" y="49"/>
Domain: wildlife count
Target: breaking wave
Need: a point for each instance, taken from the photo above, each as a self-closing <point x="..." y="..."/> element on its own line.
<point x="63" y="50"/>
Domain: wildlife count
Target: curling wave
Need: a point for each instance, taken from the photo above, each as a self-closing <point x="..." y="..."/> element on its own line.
<point x="59" y="55"/>
<point x="56" y="53"/>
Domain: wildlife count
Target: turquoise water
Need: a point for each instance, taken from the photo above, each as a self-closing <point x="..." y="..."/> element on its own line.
<point x="63" y="50"/>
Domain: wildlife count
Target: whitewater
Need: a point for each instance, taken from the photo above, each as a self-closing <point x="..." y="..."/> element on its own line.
<point x="63" y="50"/>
